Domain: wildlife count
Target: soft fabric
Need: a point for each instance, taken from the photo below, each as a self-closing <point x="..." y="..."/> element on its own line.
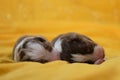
<point x="97" y="19"/>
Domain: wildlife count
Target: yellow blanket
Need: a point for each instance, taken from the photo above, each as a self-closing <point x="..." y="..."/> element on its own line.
<point x="98" y="19"/>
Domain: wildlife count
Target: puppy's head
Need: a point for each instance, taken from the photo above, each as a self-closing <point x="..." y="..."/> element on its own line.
<point x="32" y="48"/>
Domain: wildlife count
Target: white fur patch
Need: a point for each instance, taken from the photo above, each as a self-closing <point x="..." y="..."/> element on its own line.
<point x="81" y="58"/>
<point x="57" y="45"/>
<point x="35" y="51"/>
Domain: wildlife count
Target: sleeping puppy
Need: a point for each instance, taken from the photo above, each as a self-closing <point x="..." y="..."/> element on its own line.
<point x="33" y="48"/>
<point x="74" y="47"/>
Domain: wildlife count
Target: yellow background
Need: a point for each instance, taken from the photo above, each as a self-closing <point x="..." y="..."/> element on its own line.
<point x="98" y="19"/>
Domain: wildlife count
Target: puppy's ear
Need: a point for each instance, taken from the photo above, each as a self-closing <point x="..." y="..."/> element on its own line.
<point x="47" y="45"/>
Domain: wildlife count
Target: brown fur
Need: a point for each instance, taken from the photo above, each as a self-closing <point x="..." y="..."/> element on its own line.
<point x="74" y="43"/>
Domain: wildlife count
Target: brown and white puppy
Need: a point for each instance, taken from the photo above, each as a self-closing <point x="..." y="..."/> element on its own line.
<point x="33" y="48"/>
<point x="74" y="47"/>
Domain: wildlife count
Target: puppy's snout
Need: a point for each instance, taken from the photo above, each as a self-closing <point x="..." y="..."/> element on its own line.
<point x="99" y="54"/>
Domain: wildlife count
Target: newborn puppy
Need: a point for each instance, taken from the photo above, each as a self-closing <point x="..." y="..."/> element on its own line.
<point x="73" y="47"/>
<point x="33" y="48"/>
